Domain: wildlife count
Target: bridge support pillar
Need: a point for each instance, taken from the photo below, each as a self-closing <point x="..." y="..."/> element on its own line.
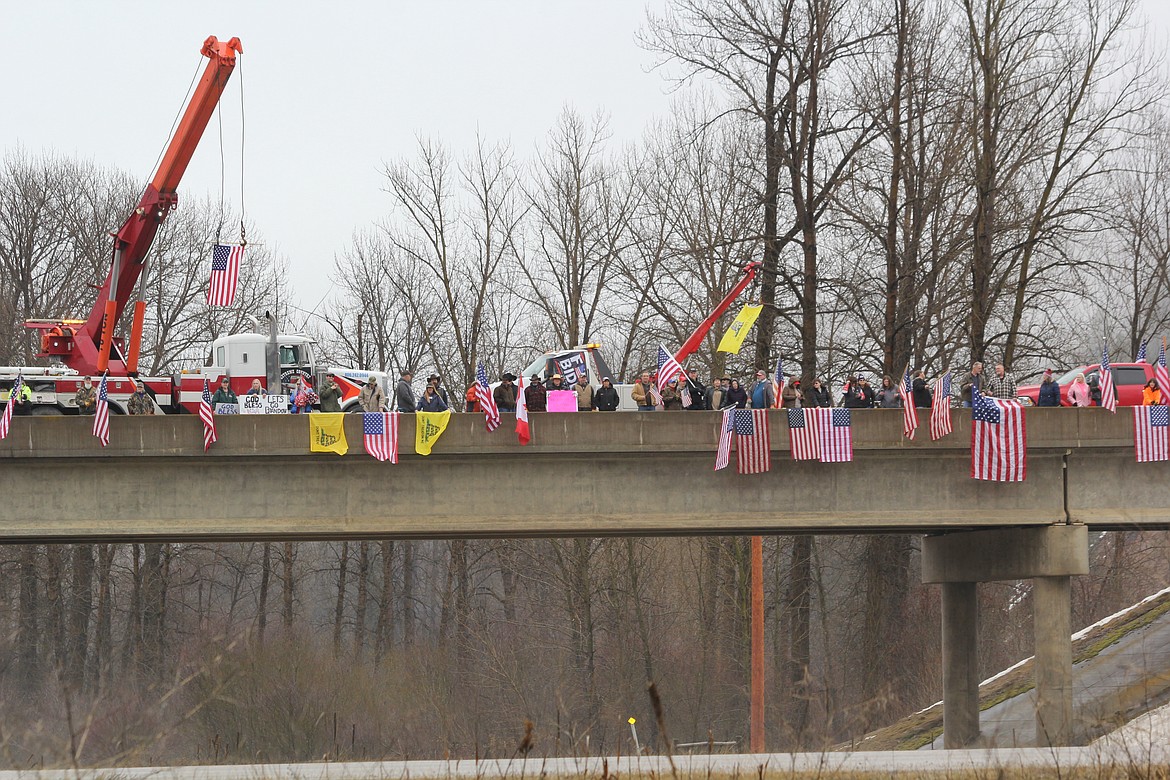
<point x="960" y="657"/>
<point x="1049" y="555"/>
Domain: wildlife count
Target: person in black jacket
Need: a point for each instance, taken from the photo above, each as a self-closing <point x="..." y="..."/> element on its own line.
<point x="535" y="396"/>
<point x="923" y="398"/>
<point x="606" y="397"/>
<point x="818" y="395"/>
<point x="698" y="391"/>
<point x="736" y="396"/>
<point x="852" y="397"/>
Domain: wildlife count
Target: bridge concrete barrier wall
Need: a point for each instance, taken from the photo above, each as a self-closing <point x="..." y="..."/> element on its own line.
<point x="584" y="474"/>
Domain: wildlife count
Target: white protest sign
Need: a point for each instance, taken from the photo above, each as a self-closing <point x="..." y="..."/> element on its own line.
<point x="227" y="408"/>
<point x="252" y="404"/>
<point x="276" y="404"/>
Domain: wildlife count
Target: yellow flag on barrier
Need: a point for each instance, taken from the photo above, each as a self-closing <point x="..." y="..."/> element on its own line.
<point x="428" y="427"/>
<point x="327" y="432"/>
<point x="733" y="338"/>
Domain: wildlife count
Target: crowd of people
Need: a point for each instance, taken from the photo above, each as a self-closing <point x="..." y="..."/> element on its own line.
<point x="688" y="392"/>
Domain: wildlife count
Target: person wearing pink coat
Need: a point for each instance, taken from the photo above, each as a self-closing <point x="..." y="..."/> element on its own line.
<point x="1078" y="392"/>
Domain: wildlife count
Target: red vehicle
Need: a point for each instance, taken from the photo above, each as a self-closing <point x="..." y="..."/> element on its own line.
<point x="1128" y="380"/>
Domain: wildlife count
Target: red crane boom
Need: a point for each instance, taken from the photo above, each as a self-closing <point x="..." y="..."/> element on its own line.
<point x="86" y="347"/>
<point x="696" y="338"/>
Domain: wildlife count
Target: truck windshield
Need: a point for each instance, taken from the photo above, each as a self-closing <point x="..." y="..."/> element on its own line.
<point x="290" y="355"/>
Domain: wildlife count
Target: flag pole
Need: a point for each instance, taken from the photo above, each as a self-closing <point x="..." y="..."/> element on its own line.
<point x="757" y="677"/>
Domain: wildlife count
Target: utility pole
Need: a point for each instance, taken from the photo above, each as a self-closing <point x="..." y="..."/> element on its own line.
<point x="757" y="683"/>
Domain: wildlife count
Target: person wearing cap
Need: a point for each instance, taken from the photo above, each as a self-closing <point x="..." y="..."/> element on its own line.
<point x="404" y="393"/>
<point x="141" y="403"/>
<point x="1049" y="391"/>
<point x="643" y="393"/>
<point x="86" y="398"/>
<point x="697" y="390"/>
<point x="371" y="398"/>
<point x="535" y="396"/>
<point x="715" y="395"/>
<point x="671" y="397"/>
<point x="762" y="393"/>
<point x="330" y="394"/>
<point x="505" y="393"/>
<point x="606" y="398"/>
<point x="435" y="381"/>
<point x="431" y="401"/>
<point x="223" y="394"/>
<point x="584" y="392"/>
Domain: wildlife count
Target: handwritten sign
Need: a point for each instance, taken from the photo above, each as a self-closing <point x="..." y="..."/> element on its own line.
<point x="227" y="408"/>
<point x="252" y="404"/>
<point x="276" y="404"/>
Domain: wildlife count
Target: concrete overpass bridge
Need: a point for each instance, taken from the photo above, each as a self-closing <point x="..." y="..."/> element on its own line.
<point x="617" y="474"/>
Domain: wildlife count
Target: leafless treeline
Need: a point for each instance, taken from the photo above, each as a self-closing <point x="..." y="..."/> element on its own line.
<point x="282" y="651"/>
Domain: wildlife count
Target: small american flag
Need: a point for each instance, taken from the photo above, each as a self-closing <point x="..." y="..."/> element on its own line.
<point x="940" y="408"/>
<point x="6" y="416"/>
<point x="836" y="435"/>
<point x="487" y="402"/>
<point x="207" y="416"/>
<point x="380" y="435"/>
<point x="909" y="413"/>
<point x="778" y="383"/>
<point x="726" y="431"/>
<point x="802" y="434"/>
<point x="225" y="274"/>
<point x="1108" y="399"/>
<point x="668" y="368"/>
<point x="1150" y="425"/>
<point x="999" y="440"/>
<point x="101" y="418"/>
<point x="1141" y="355"/>
<point x="1160" y="370"/>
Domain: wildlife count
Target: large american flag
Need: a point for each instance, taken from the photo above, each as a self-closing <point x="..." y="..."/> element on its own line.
<point x="802" y="434"/>
<point x="1160" y="371"/>
<point x="909" y="413"/>
<point x="1150" y="426"/>
<point x="487" y="402"/>
<point x="835" y="429"/>
<point x="940" y="408"/>
<point x="726" y="433"/>
<point x="668" y="368"/>
<point x="6" y="415"/>
<point x="999" y="440"/>
<point x="101" y="418"/>
<point x="225" y="274"/>
<point x="380" y="435"/>
<point x="1108" y="399"/>
<point x="778" y="383"/>
<point x="207" y="416"/>
<point x="753" y="445"/>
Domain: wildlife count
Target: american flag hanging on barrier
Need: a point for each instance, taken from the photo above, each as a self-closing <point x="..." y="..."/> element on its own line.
<point x="101" y="417"/>
<point x="1151" y="424"/>
<point x="940" y="408"/>
<point x="999" y="441"/>
<point x="803" y="439"/>
<point x="208" y="417"/>
<point x="380" y="435"/>
<point x="6" y="415"/>
<point x="909" y="413"/>
<point x="748" y="428"/>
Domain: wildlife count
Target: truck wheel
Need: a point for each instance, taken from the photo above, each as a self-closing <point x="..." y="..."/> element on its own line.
<point x="46" y="411"/>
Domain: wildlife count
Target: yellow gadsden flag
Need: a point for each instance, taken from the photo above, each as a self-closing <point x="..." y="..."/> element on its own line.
<point x="733" y="338"/>
<point x="327" y="432"/>
<point x="428" y="427"/>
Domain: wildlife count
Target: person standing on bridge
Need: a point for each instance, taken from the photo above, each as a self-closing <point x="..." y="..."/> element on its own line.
<point x="256" y="388"/>
<point x="697" y="390"/>
<point x="972" y="380"/>
<point x="923" y="398"/>
<point x="715" y="393"/>
<point x="584" y="392"/>
<point x="223" y="394"/>
<point x="643" y="393"/>
<point x="371" y="398"/>
<point x="86" y="398"/>
<point x="1152" y="395"/>
<point x="818" y="396"/>
<point x="436" y="382"/>
<point x="330" y="394"/>
<point x="671" y="398"/>
<point x="1049" y="394"/>
<point x="763" y="394"/>
<point x="404" y="393"/>
<point x="535" y="396"/>
<point x="736" y="396"/>
<point x="140" y="402"/>
<point x="888" y="396"/>
<point x="505" y="394"/>
<point x="431" y="401"/>
<point x="1001" y="385"/>
<point x="1078" y="392"/>
<point x="606" y="398"/>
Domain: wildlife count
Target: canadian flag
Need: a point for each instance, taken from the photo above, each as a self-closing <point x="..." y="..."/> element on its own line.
<point x="522" y="431"/>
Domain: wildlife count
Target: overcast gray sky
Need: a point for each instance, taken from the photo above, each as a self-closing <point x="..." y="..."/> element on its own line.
<point x="330" y="92"/>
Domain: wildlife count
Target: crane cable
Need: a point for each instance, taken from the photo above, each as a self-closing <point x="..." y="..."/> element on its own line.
<point x="223" y="166"/>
